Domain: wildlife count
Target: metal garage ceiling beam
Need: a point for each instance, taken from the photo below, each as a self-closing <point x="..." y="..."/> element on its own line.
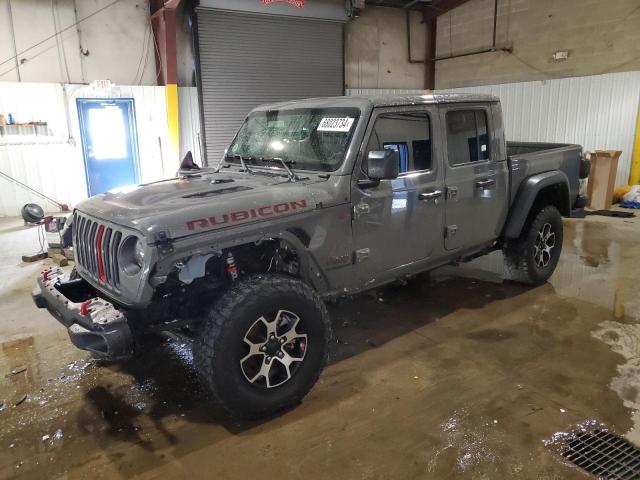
<point x="430" y="13"/>
<point x="431" y="10"/>
<point x="163" y="21"/>
<point x="438" y="7"/>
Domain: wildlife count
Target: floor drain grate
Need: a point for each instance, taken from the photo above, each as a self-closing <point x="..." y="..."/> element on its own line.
<point x="603" y="454"/>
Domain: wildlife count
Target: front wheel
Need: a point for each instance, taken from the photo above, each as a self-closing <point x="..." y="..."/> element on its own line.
<point x="533" y="257"/>
<point x="263" y="345"/>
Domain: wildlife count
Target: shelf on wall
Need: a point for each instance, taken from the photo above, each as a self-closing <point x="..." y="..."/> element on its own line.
<point x="25" y="129"/>
<point x="36" y="133"/>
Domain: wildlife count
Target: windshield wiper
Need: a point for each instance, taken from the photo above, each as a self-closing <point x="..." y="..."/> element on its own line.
<point x="242" y="161"/>
<point x="285" y="164"/>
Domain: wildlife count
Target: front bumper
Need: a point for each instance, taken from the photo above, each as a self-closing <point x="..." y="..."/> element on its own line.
<point x="93" y="323"/>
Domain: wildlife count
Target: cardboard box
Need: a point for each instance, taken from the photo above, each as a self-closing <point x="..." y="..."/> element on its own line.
<point x="602" y="177"/>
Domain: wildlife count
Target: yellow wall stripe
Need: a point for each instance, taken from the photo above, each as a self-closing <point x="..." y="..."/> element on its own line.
<point x="171" y="92"/>
<point x="634" y="175"/>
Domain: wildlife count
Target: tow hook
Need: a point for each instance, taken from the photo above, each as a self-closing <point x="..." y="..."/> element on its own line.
<point x="45" y="274"/>
<point x="84" y="307"/>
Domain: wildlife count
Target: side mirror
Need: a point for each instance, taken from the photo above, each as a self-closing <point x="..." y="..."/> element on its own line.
<point x="383" y="164"/>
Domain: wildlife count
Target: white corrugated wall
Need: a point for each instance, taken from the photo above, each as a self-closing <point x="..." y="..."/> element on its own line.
<point x="598" y="112"/>
<point x="189" y="115"/>
<point x="54" y="164"/>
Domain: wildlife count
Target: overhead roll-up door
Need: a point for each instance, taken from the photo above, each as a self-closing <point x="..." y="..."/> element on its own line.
<point x="250" y="59"/>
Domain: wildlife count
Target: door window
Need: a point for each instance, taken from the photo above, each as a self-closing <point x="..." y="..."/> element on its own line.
<point x="467" y="137"/>
<point x="409" y="133"/>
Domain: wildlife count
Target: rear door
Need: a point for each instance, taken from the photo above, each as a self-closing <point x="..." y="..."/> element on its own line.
<point x="399" y="222"/>
<point x="475" y="178"/>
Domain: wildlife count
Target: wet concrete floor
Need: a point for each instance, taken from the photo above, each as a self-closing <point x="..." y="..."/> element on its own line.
<point x="455" y="375"/>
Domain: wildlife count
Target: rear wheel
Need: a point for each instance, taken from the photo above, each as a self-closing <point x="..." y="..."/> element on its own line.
<point x="263" y="346"/>
<point x="533" y="257"/>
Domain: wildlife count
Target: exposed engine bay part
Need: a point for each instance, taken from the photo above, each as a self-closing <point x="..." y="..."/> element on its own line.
<point x="270" y="255"/>
<point x="194" y="268"/>
<point x="232" y="270"/>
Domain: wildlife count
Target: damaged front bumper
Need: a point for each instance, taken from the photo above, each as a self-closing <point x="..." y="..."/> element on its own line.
<point x="93" y="323"/>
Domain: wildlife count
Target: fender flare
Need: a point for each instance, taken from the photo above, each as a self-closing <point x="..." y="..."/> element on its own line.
<point x="310" y="271"/>
<point x="526" y="196"/>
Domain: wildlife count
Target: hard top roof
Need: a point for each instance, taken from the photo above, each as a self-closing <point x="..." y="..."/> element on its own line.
<point x="362" y="102"/>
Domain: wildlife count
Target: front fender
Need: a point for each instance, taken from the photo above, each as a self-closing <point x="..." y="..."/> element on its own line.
<point x="527" y="194"/>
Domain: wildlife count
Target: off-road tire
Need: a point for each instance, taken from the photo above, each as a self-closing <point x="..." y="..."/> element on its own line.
<point x="217" y="352"/>
<point x="519" y="254"/>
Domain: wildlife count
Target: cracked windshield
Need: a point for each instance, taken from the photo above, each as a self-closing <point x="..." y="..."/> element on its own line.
<point x="308" y="139"/>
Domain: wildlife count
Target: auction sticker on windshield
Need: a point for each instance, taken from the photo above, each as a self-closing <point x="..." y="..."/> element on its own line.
<point x="335" y="124"/>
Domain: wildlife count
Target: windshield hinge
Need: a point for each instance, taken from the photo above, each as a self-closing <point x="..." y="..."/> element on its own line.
<point x="164" y="243"/>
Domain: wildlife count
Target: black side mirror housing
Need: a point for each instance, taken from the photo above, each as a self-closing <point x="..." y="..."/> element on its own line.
<point x="383" y="164"/>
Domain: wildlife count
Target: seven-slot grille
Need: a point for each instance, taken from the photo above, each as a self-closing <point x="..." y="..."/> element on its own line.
<point x="96" y="249"/>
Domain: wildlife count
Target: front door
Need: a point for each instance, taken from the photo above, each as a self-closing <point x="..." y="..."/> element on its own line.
<point x="109" y="143"/>
<point x="475" y="178"/>
<point x="399" y="222"/>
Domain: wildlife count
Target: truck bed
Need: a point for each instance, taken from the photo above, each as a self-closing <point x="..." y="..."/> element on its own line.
<point x="530" y="158"/>
<point x="525" y="148"/>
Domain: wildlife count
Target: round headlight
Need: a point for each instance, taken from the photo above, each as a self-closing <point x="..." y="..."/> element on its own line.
<point x="131" y="258"/>
<point x="139" y="253"/>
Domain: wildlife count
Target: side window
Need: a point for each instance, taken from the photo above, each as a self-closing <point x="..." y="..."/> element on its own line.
<point x="409" y="133"/>
<point x="467" y="136"/>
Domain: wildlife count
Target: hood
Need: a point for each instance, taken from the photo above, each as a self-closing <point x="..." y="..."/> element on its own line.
<point x="208" y="201"/>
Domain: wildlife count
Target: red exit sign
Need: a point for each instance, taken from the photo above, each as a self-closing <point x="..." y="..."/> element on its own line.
<point x="295" y="3"/>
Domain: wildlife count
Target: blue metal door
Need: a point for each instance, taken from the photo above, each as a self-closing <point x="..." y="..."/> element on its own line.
<point x="109" y="143"/>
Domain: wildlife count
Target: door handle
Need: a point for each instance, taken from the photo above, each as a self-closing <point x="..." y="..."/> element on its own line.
<point x="432" y="195"/>
<point x="485" y="183"/>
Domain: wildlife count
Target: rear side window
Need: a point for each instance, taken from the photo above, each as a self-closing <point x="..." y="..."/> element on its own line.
<point x="467" y="136"/>
<point x="407" y="132"/>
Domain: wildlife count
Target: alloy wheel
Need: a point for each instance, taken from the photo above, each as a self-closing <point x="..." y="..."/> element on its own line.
<point x="274" y="349"/>
<point x="544" y="243"/>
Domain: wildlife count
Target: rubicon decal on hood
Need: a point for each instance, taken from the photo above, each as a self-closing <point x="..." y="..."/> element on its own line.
<point x="242" y="215"/>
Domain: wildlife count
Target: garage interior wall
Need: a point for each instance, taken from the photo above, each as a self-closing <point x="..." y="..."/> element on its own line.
<point x="375" y="49"/>
<point x="53" y="164"/>
<point x="597" y="112"/>
<point x="250" y="59"/>
<point x="97" y="39"/>
<point x="599" y="37"/>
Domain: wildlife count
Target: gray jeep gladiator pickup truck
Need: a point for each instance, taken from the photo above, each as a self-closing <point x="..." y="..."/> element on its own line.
<point x="314" y="199"/>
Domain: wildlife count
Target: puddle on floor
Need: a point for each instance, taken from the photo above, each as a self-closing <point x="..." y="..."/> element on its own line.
<point x="625" y="340"/>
